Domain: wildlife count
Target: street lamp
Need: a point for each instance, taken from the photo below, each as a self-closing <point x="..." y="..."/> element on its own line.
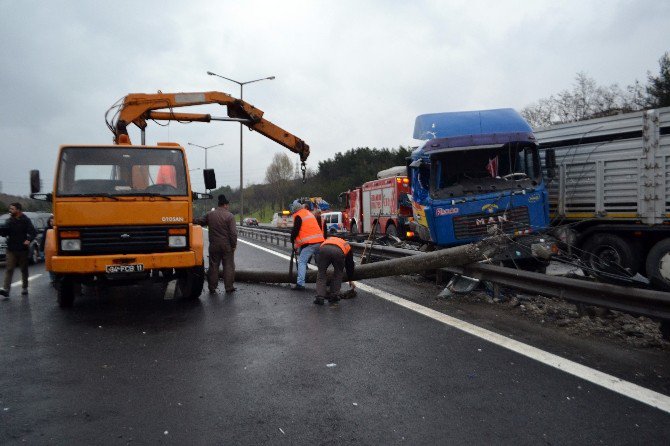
<point x="206" y="148"/>
<point x="241" y="84"/>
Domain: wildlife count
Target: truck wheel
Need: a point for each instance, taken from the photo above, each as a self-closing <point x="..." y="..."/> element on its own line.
<point x="610" y="254"/>
<point x="391" y="230"/>
<point x="354" y="229"/>
<point x="192" y="282"/>
<point x="658" y="265"/>
<point x="65" y="292"/>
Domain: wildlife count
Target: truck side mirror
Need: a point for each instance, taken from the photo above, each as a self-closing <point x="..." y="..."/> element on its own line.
<point x="550" y="162"/>
<point x="35" y="184"/>
<point x="210" y="178"/>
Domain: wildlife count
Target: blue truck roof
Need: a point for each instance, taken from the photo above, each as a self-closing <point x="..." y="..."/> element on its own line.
<point x="472" y="128"/>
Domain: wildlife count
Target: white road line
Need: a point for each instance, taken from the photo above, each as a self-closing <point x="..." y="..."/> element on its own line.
<point x="30" y="279"/>
<point x="594" y="376"/>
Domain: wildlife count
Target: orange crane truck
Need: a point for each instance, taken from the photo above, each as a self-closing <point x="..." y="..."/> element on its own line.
<point x="123" y="213"/>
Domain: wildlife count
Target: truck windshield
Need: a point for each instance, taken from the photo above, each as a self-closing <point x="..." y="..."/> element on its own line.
<point x="116" y="171"/>
<point x="475" y="171"/>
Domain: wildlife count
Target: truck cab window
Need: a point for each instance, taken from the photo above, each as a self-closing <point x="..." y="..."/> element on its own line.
<point x="121" y="171"/>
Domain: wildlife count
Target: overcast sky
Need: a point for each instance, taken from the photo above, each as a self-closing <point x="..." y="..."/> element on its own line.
<point x="348" y="73"/>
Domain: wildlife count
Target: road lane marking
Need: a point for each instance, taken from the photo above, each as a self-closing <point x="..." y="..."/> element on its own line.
<point x="620" y="386"/>
<point x="30" y="279"/>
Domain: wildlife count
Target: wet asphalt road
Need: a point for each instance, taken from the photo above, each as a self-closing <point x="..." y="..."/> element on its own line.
<point x="266" y="366"/>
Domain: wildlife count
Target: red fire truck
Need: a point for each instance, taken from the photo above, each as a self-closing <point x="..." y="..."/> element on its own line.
<point x="382" y="203"/>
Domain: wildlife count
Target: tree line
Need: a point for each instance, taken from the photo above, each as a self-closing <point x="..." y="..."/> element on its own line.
<point x="283" y="180"/>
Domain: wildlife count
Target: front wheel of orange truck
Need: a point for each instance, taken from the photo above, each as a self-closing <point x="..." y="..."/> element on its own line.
<point x="65" y="290"/>
<point x="191" y="282"/>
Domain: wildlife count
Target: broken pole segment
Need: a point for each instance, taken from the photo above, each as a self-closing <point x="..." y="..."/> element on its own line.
<point x="456" y="256"/>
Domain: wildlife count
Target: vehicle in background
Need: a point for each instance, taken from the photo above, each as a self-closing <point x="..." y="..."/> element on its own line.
<point x="611" y="193"/>
<point x="282" y="219"/>
<point x="475" y="170"/>
<point x="333" y="222"/>
<point x="40" y="221"/>
<point x="382" y="204"/>
<point x="314" y="203"/>
<point x="250" y="221"/>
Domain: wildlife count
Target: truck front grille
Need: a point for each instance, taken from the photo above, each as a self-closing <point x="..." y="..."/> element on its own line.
<point x="123" y="239"/>
<point x="475" y="225"/>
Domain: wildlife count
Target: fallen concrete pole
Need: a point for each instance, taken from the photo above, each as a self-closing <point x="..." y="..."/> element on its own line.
<point x="457" y="256"/>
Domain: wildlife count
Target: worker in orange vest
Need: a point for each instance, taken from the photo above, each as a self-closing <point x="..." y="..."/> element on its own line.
<point x="306" y="237"/>
<point x="337" y="252"/>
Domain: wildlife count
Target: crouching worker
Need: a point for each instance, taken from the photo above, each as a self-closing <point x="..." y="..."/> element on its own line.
<point x="337" y="252"/>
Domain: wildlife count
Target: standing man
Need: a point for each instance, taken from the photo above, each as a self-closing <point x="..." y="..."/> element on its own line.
<point x="222" y="245"/>
<point x="337" y="252"/>
<point x="306" y="237"/>
<point x="19" y="231"/>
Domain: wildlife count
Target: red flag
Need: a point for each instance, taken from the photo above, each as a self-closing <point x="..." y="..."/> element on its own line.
<point x="492" y="166"/>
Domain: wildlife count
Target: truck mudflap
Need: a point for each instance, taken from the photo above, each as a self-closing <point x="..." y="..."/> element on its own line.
<point x="123" y="264"/>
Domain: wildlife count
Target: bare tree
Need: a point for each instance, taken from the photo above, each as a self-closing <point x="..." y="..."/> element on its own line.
<point x="278" y="174"/>
<point x="585" y="100"/>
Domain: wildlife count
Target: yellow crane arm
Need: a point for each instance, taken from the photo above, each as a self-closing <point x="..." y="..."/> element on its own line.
<point x="139" y="107"/>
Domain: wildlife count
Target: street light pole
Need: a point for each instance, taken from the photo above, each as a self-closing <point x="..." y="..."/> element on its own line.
<point x="205" y="148"/>
<point x="241" y="84"/>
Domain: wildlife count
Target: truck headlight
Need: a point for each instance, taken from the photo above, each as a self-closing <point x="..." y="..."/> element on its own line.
<point x="71" y="244"/>
<point x="177" y="241"/>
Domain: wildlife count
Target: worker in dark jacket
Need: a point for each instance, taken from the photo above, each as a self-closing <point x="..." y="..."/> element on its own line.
<point x="19" y="231"/>
<point x="222" y="245"/>
<point x="306" y="237"/>
<point x="337" y="252"/>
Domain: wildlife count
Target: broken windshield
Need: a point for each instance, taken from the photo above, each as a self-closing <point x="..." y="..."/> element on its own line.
<point x="116" y="171"/>
<point x="474" y="171"/>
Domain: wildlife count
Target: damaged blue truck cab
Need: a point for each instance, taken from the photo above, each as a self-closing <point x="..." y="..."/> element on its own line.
<point x="474" y="170"/>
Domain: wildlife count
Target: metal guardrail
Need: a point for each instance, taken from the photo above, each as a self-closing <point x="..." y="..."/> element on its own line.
<point x="650" y="303"/>
<point x="266" y="235"/>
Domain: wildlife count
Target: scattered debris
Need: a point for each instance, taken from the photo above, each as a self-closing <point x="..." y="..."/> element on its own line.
<point x="579" y="320"/>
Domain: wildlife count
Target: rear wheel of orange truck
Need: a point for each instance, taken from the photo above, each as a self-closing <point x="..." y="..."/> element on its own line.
<point x="191" y="282"/>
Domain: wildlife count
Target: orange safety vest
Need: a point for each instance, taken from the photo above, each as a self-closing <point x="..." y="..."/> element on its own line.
<point x="309" y="229"/>
<point x="340" y="243"/>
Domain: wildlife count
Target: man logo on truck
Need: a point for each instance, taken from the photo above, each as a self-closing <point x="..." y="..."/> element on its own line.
<point x="491" y="220"/>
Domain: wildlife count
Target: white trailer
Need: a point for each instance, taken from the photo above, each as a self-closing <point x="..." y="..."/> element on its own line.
<point x="611" y="186"/>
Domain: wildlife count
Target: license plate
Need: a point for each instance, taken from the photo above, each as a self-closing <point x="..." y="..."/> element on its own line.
<point x="116" y="269"/>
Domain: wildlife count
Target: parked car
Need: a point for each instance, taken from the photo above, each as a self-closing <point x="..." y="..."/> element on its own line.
<point x="250" y="221"/>
<point x="282" y="220"/>
<point x="40" y="220"/>
<point x="333" y="222"/>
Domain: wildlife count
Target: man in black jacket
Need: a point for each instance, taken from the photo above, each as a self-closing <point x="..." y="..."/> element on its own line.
<point x="19" y="231"/>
